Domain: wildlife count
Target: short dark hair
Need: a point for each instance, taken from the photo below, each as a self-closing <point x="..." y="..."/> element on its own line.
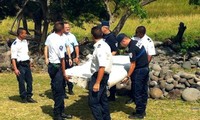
<point x="96" y="32"/>
<point x="141" y="29"/>
<point x="66" y="22"/>
<point x="19" y="30"/>
<point x="58" y="26"/>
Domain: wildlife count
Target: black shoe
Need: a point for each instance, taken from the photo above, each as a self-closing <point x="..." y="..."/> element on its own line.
<point x="68" y="116"/>
<point x="142" y="113"/>
<point x="66" y="97"/>
<point x="24" y="100"/>
<point x="30" y="100"/>
<point x="129" y="101"/>
<point x="71" y="93"/>
<point x="136" y="116"/>
<point x="58" y="118"/>
<point x="111" y="99"/>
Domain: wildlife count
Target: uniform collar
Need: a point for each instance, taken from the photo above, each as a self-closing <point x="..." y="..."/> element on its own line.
<point x="18" y="40"/>
<point x="67" y="33"/>
<point x="98" y="42"/>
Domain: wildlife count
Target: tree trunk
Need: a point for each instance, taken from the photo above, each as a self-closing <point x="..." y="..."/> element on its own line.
<point x="121" y="22"/>
<point x="127" y="14"/>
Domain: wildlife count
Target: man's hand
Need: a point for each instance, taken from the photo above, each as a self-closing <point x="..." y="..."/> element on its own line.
<point x="76" y="60"/>
<point x="70" y="62"/>
<point x="17" y="72"/>
<point x="47" y="61"/>
<point x="67" y="77"/>
<point x="96" y="87"/>
<point x="125" y="80"/>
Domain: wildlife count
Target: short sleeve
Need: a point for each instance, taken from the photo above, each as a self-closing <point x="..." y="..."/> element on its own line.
<point x="101" y="56"/>
<point x="14" y="50"/>
<point x="47" y="41"/>
<point x="151" y="49"/>
<point x="74" y="40"/>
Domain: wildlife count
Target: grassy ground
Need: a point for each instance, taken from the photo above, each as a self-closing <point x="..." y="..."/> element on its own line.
<point x="12" y="109"/>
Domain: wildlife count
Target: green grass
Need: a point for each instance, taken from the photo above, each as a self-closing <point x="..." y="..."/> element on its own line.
<point x="12" y="109"/>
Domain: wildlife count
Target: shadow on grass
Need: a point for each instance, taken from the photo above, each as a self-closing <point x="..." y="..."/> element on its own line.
<point x="15" y="98"/>
<point x="81" y="109"/>
<point x="48" y="94"/>
<point x="47" y="109"/>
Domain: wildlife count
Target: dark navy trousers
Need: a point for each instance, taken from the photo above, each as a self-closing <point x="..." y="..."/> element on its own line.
<point x="98" y="101"/>
<point x="58" y="92"/>
<point x="25" y="76"/>
<point x="139" y="88"/>
<point x="69" y="84"/>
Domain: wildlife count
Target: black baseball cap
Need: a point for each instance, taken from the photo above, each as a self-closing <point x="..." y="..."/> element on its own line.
<point x="120" y="37"/>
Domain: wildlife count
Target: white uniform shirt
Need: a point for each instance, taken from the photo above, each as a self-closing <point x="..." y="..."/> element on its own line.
<point x="65" y="41"/>
<point x="19" y="50"/>
<point x="102" y="56"/>
<point x="72" y="41"/>
<point x="148" y="44"/>
<point x="55" y="47"/>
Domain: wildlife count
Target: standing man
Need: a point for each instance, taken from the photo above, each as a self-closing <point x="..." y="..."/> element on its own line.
<point x="21" y="65"/>
<point x="74" y="48"/>
<point x="147" y="42"/>
<point x="111" y="40"/>
<point x="138" y="72"/>
<point x="56" y="69"/>
<point x="100" y="69"/>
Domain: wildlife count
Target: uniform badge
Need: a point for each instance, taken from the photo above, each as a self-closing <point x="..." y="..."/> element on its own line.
<point x="149" y="39"/>
<point x="61" y="48"/>
<point x="99" y="45"/>
<point x="130" y="55"/>
<point x="14" y="42"/>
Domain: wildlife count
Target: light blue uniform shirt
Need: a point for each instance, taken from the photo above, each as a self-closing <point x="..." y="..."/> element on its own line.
<point x="72" y="41"/>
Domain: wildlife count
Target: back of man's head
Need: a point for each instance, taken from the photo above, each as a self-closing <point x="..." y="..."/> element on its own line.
<point x="58" y="27"/>
<point x="96" y="32"/>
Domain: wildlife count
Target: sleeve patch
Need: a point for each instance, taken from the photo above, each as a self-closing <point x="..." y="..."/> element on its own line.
<point x="130" y="55"/>
<point x="14" y="42"/>
<point x="99" y="46"/>
<point x="61" y="48"/>
<point x="149" y="39"/>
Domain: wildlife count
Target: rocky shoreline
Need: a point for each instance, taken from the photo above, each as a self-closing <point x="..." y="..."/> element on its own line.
<point x="169" y="76"/>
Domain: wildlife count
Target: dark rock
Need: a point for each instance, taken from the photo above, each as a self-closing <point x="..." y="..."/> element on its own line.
<point x="174" y="94"/>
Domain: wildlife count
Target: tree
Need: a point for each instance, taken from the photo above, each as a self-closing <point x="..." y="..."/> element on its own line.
<point x="76" y="11"/>
<point x="129" y="7"/>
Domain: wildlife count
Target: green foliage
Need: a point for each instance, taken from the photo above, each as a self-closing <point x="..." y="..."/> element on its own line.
<point x="188" y="45"/>
<point x="194" y="2"/>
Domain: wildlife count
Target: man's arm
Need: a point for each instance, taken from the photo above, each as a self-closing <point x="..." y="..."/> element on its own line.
<point x="99" y="78"/>
<point x="131" y="69"/>
<point x="69" y="55"/>
<point x="17" y="72"/>
<point x="62" y="61"/>
<point x="77" y="54"/>
<point x="114" y="52"/>
<point x="149" y="58"/>
<point x="46" y="55"/>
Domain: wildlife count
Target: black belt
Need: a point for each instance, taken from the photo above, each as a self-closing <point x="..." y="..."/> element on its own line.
<point x="56" y="65"/>
<point x="96" y="73"/>
<point x="24" y="63"/>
